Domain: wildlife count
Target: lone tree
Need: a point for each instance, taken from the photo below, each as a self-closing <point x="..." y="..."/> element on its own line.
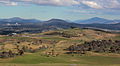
<point x="21" y="52"/>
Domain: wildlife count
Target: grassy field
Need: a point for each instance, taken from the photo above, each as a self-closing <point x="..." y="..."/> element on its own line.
<point x="55" y="38"/>
<point x="36" y="59"/>
<point x="116" y="37"/>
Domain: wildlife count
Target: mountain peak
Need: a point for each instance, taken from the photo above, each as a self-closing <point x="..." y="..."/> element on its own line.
<point x="97" y="18"/>
<point x="56" y="20"/>
<point x="93" y="20"/>
<point x="16" y="18"/>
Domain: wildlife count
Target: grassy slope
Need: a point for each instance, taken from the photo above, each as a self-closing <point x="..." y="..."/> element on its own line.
<point x="116" y="37"/>
<point x="36" y="58"/>
<point x="62" y="60"/>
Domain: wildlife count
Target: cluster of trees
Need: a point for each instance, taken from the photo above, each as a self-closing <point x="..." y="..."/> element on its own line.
<point x="7" y="54"/>
<point x="99" y="46"/>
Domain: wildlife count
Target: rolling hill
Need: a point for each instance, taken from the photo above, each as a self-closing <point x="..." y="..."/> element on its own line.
<point x="18" y="20"/>
<point x="49" y="48"/>
<point x="97" y="20"/>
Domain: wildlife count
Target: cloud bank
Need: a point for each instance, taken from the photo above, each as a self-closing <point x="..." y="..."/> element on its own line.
<point x="97" y="4"/>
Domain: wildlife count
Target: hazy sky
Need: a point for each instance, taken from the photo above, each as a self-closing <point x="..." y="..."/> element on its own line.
<point x="62" y="9"/>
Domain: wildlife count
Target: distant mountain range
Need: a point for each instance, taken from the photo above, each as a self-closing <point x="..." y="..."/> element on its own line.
<point x="18" y="20"/>
<point x="94" y="20"/>
<point x="19" y="25"/>
<point x="97" y="20"/>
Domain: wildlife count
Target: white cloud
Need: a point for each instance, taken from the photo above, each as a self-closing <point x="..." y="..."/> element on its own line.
<point x="92" y="4"/>
<point x="104" y="4"/>
<point x="12" y="3"/>
<point x="7" y="2"/>
<point x="54" y="2"/>
<point x="109" y="3"/>
<point x="50" y="2"/>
